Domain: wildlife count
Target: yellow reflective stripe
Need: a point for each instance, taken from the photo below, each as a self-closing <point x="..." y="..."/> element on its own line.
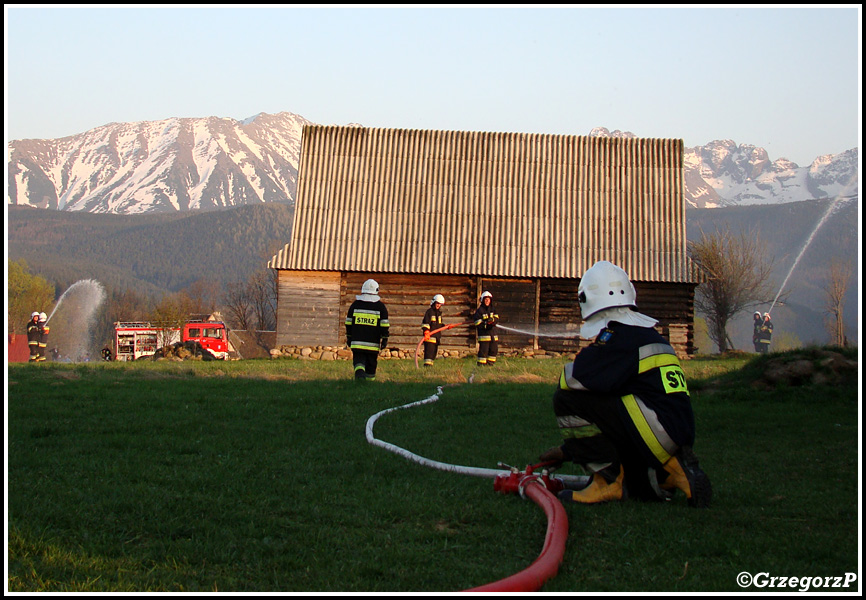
<point x="364" y="346"/>
<point x="566" y="381"/>
<point x="580" y="432"/>
<point x="659" y="360"/>
<point x="653" y="356"/>
<point x="646" y="433"/>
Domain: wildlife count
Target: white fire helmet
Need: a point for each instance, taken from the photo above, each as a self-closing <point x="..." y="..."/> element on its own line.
<point x="766" y="315"/>
<point x="34" y="314"/>
<point x="757" y="313"/>
<point x="486" y="295"/>
<point x="604" y="285"/>
<point x="439" y="298"/>
<point x="43" y="317"/>
<point x="370" y="287"/>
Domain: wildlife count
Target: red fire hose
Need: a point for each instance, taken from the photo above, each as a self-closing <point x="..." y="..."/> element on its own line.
<point x="539" y="489"/>
<point x="429" y="334"/>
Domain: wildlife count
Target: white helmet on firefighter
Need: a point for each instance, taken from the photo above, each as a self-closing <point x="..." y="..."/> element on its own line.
<point x="43" y="317"/>
<point x="438" y="298"/>
<point x="606" y="294"/>
<point x="757" y="313"/>
<point x="604" y="285"/>
<point x="369" y="291"/>
<point x="486" y="295"/>
<point x="34" y="314"/>
<point x="370" y="286"/>
<point x="766" y="315"/>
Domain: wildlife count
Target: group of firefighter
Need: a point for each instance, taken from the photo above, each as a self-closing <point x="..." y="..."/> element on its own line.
<point x="622" y="406"/>
<point x="762" y="333"/>
<point x="37" y="336"/>
<point x="367" y="330"/>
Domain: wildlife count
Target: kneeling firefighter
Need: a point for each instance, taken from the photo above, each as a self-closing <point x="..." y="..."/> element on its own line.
<point x="623" y="406"/>
<point x="367" y="330"/>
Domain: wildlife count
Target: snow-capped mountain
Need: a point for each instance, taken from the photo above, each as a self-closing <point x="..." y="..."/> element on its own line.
<point x="745" y="175"/>
<point x="159" y="166"/>
<point x="723" y="173"/>
<point x="186" y="164"/>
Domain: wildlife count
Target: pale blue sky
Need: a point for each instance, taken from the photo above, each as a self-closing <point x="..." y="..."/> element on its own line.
<point x="786" y="79"/>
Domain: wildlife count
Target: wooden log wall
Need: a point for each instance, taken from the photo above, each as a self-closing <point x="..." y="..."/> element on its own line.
<point x="312" y="309"/>
<point x="515" y="301"/>
<point x="407" y="298"/>
<point x="308" y="308"/>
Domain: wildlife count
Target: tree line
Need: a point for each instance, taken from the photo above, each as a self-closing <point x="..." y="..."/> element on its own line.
<point x="151" y="254"/>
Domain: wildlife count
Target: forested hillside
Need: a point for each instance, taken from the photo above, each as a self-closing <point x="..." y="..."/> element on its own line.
<point x="150" y="254"/>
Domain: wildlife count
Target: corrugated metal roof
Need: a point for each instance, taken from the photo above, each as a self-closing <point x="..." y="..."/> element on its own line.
<point x="490" y="204"/>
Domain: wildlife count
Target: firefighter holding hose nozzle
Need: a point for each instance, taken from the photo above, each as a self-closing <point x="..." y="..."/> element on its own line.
<point x="765" y="334"/>
<point x="43" y="340"/>
<point x="34" y="336"/>
<point x="485" y="320"/>
<point x="431" y="322"/>
<point x="623" y="406"/>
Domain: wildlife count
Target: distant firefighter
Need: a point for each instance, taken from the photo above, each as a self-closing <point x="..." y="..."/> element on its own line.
<point x="367" y="330"/>
<point x="43" y="339"/>
<point x="766" y="334"/>
<point x="431" y="322"/>
<point x="485" y="320"/>
<point x="34" y="336"/>
<point x="757" y="321"/>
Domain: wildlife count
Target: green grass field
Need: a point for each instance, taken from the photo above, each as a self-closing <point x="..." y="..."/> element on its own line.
<point x="255" y="476"/>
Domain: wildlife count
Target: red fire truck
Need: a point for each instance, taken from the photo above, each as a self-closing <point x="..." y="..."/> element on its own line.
<point x="134" y="340"/>
<point x="212" y="335"/>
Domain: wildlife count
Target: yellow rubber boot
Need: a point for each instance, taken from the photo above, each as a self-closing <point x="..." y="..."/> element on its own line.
<point x="685" y="474"/>
<point x="598" y="490"/>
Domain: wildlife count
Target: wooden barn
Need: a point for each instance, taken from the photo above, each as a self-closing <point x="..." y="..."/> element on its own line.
<point x="457" y="213"/>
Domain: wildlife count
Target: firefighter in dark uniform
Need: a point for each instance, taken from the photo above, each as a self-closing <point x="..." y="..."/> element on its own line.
<point x="34" y="336"/>
<point x="757" y="321"/>
<point x="43" y="339"/>
<point x="485" y="320"/>
<point x="765" y="334"/>
<point x="367" y="330"/>
<point x="623" y="406"/>
<point x="431" y="322"/>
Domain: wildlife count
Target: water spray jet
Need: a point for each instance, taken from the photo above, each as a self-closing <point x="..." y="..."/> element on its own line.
<point x="79" y="303"/>
<point x="830" y="208"/>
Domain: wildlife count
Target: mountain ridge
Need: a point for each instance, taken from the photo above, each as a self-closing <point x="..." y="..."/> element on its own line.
<point x="181" y="164"/>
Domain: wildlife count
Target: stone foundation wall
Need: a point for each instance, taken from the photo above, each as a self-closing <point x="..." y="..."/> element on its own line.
<point x="343" y="353"/>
